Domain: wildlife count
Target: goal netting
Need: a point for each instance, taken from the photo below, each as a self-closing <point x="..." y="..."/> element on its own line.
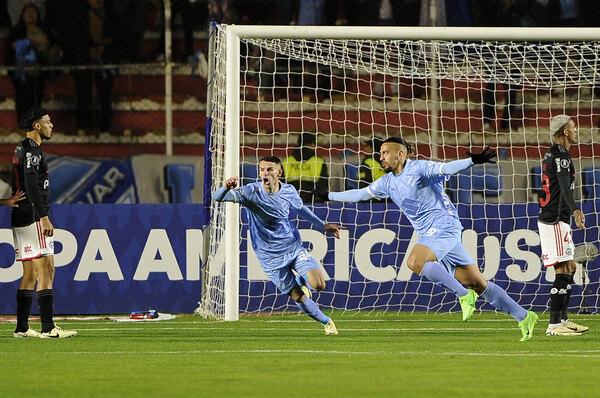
<point x="446" y="91"/>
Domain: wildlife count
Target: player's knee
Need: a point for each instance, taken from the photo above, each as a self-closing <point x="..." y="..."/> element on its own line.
<point x="414" y="264"/>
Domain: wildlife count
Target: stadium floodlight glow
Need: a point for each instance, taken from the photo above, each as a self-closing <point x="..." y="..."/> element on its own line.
<point x="433" y="85"/>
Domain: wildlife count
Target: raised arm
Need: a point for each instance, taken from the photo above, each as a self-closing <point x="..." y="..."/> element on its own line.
<point x="457" y="166"/>
<point x="352" y="195"/>
<point x="224" y="193"/>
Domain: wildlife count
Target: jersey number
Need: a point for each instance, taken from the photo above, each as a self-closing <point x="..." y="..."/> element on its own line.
<point x="546" y="189"/>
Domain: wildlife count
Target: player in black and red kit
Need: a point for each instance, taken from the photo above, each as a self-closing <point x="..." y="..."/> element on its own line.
<point x="32" y="229"/>
<point x="556" y="207"/>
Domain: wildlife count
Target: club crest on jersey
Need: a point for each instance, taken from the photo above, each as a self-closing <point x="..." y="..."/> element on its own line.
<point x="32" y="160"/>
<point x="564" y="163"/>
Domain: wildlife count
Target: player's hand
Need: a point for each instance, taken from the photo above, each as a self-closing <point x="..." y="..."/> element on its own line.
<point x="579" y="219"/>
<point x="12" y="201"/>
<point x="231" y="183"/>
<point x="47" y="227"/>
<point x="320" y="194"/>
<point x="483" y="157"/>
<point x="333" y="229"/>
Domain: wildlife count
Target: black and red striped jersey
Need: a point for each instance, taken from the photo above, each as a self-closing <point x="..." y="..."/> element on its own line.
<point x="558" y="185"/>
<point x="30" y="175"/>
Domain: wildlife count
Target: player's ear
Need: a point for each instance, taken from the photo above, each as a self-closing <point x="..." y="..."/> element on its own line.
<point x="280" y="171"/>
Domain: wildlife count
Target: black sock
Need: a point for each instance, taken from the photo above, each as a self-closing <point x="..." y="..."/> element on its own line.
<point x="45" y="299"/>
<point x="564" y="316"/>
<point x="557" y="297"/>
<point x="24" y="299"/>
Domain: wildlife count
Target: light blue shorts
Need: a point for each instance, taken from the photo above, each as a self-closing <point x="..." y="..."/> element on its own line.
<point x="283" y="277"/>
<point x="448" y="248"/>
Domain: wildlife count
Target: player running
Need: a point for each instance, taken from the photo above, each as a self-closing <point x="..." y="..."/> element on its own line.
<point x="417" y="188"/>
<point x="275" y="240"/>
<point x="554" y="224"/>
<point x="32" y="229"/>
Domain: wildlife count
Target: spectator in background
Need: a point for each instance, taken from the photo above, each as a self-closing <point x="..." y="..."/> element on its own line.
<point x="304" y="169"/>
<point x="399" y="12"/>
<point x="534" y="12"/>
<point x="15" y="9"/>
<point x="221" y="11"/>
<point x="370" y="168"/>
<point x="134" y="14"/>
<point x="30" y="45"/>
<point x="91" y="41"/>
<point x="357" y="12"/>
<point x="490" y="103"/>
<point x="568" y="13"/>
<point x="190" y="12"/>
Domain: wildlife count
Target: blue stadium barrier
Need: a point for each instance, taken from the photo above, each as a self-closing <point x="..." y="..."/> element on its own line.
<point x="351" y="176"/>
<point x="248" y="173"/>
<point x="535" y="180"/>
<point x="590" y="178"/>
<point x="482" y="179"/>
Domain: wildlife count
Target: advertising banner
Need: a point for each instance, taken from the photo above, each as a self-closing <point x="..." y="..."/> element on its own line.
<point x="121" y="258"/>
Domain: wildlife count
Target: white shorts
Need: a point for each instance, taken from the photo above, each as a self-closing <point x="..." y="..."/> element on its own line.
<point x="557" y="243"/>
<point x="31" y="243"/>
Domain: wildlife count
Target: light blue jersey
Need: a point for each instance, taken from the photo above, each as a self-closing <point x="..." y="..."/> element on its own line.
<point x="419" y="192"/>
<point x="272" y="233"/>
<point x="276" y="242"/>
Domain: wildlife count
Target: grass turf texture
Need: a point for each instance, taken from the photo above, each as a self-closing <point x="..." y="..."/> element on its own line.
<point x="378" y="355"/>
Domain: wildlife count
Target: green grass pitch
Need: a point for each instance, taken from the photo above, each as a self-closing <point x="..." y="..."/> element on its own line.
<point x="375" y="355"/>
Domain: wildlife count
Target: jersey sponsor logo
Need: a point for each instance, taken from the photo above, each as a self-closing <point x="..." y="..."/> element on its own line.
<point x="545" y="257"/>
<point x="27" y="249"/>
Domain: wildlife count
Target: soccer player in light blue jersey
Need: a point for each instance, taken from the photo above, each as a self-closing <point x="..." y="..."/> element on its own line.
<point x="275" y="240"/>
<point x="417" y="188"/>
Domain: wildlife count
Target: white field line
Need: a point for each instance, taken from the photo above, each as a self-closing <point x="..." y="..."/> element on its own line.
<point x="243" y="329"/>
<point x="571" y="354"/>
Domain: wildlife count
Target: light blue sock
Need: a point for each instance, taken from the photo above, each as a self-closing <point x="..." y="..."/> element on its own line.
<point x="498" y="298"/>
<point x="438" y="274"/>
<point x="311" y="309"/>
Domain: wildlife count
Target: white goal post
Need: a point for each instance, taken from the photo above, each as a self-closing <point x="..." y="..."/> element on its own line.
<point x="555" y="70"/>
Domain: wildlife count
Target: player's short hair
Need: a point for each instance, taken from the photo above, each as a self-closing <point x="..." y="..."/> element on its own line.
<point x="272" y="159"/>
<point x="558" y="124"/>
<point x="32" y="116"/>
<point x="399" y="140"/>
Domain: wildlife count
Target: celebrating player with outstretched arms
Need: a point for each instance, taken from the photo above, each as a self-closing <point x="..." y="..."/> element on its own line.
<point x="417" y="188"/>
<point x="275" y="240"/>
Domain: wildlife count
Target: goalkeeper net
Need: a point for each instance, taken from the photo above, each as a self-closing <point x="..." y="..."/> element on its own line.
<point x="446" y="91"/>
